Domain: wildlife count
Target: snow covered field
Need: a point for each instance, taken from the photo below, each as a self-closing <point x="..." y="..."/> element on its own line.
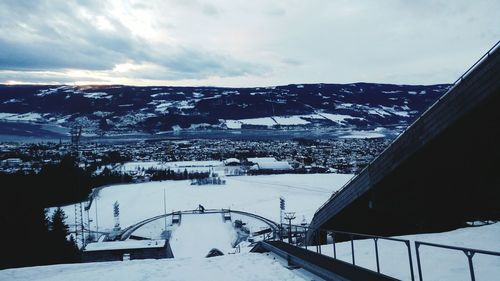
<point x="288" y="120"/>
<point x="255" y="194"/>
<point x="241" y="267"/>
<point x="260" y="195"/>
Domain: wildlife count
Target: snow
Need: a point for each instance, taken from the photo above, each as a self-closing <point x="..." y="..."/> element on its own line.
<point x="255" y="194"/>
<point x="365" y="134"/>
<point x="241" y="267"/>
<point x="395" y="111"/>
<point x="159" y="95"/>
<point x="199" y="233"/>
<point x="50" y="91"/>
<point x="128" y="244"/>
<point x="258" y="160"/>
<point x="12" y="101"/>
<point x="233" y="124"/>
<point x="26" y="117"/>
<point x="265" y="121"/>
<point x="97" y="95"/>
<point x="277" y="165"/>
<point x="339" y="118"/>
<point x="288" y="120"/>
<point x="155" y="165"/>
<point x="291" y="120"/>
<point x="437" y="263"/>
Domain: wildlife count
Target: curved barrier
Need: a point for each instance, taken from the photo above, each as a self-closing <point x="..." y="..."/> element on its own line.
<point x="127" y="232"/>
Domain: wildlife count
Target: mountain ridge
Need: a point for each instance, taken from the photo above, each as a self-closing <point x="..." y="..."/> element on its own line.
<point x="119" y="110"/>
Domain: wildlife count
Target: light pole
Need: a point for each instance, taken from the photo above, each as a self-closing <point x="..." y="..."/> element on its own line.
<point x="289" y="216"/>
<point x="165" y="208"/>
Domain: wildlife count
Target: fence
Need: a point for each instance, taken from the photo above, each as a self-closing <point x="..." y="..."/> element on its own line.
<point x="298" y="235"/>
<point x="469" y="253"/>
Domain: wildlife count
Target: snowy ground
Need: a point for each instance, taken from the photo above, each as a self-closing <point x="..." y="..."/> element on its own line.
<point x="199" y="233"/>
<point x="242" y="267"/>
<point x="255" y="194"/>
<point x="437" y="263"/>
<point x="260" y="195"/>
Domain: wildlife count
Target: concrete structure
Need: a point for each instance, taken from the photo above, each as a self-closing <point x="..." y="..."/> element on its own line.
<point x="438" y="174"/>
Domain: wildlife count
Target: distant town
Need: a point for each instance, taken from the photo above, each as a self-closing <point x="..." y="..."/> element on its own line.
<point x="137" y="158"/>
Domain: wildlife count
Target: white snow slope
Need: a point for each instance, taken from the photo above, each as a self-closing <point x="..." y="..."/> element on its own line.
<point x="256" y="194"/>
<point x="241" y="267"/>
<point x="200" y="233"/>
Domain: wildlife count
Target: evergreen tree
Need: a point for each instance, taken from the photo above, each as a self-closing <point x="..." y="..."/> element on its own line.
<point x="58" y="229"/>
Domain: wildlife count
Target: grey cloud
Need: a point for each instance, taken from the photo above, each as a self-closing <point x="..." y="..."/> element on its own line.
<point x="55" y="37"/>
<point x="43" y="77"/>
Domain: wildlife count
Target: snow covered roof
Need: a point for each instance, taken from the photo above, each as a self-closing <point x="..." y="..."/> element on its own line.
<point x="258" y="160"/>
<point x="231" y="160"/>
<point x="127" y="244"/>
<point x="277" y="165"/>
<point x="269" y="163"/>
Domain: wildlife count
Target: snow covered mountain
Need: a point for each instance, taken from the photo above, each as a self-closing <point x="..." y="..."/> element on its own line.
<point x="118" y="110"/>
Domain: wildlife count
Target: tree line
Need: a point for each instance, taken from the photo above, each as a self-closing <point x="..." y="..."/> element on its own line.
<point x="29" y="236"/>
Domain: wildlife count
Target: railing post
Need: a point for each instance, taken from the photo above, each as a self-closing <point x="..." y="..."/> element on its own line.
<point x="319" y="241"/>
<point x="305" y="237"/>
<point x="410" y="259"/>
<point x="352" y="250"/>
<point x="376" y="254"/>
<point x="470" y="255"/>
<point x="334" y="249"/>
<point x="419" y="266"/>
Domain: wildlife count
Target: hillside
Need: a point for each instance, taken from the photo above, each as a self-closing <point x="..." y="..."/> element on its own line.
<point x="119" y="110"/>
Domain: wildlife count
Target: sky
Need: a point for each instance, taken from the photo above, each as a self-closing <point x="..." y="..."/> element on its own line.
<point x="241" y="43"/>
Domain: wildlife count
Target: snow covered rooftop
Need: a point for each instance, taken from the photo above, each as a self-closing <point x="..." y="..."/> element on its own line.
<point x="127" y="244"/>
<point x="258" y="160"/>
<point x="231" y="160"/>
<point x="277" y="165"/>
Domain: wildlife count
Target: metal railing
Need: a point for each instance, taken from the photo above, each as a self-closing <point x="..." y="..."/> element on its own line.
<point x="452" y="87"/>
<point x="469" y="253"/>
<point x="297" y="235"/>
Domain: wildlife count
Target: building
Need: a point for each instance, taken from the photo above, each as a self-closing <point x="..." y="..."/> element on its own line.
<point x="125" y="250"/>
<point x="269" y="163"/>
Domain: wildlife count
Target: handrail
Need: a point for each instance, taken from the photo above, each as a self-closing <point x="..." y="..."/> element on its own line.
<point x="453" y="86"/>
<point x="352" y="235"/>
<point x="469" y="252"/>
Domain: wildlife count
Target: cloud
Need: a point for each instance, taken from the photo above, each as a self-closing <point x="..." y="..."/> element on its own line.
<point x="71" y="36"/>
<point x="243" y="43"/>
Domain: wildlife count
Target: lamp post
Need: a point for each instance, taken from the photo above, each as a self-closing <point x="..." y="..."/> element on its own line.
<point x="165" y="209"/>
<point x="289" y="216"/>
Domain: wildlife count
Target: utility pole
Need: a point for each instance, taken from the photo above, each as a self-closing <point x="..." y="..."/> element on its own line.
<point x="290" y="216"/>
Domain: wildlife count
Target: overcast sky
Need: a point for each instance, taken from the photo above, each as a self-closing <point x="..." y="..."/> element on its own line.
<point x="243" y="42"/>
